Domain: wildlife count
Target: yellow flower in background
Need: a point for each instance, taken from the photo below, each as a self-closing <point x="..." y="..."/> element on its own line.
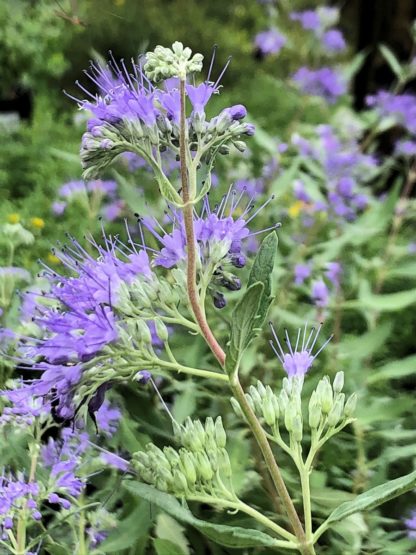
<point x="53" y="259"/>
<point x="13" y="218"/>
<point x="295" y="209"/>
<point x="119" y="3"/>
<point x="37" y="223"/>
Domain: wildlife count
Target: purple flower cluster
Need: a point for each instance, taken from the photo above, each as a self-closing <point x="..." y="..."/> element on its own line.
<point x="299" y="359"/>
<point x="319" y="22"/>
<point x="320" y="292"/>
<point x="130" y="111"/>
<point x="82" y="319"/>
<point x="73" y="190"/>
<point x="344" y="168"/>
<point x="219" y="233"/>
<point x="324" y="82"/>
<point x="400" y="107"/>
<point x="17" y="492"/>
<point x="411" y="525"/>
<point x="270" y="41"/>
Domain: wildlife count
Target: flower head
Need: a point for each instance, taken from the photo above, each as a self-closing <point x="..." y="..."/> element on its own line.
<point x="270" y="41"/>
<point x="299" y="359"/>
<point x="324" y="82"/>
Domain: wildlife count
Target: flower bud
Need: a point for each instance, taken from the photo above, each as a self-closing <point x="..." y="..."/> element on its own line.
<point x="220" y="435"/>
<point x="350" y="405"/>
<point x="315" y="415"/>
<point x="268" y="411"/>
<point x="337" y="411"/>
<point x="143" y="332"/>
<point x="224" y="463"/>
<point x="283" y="400"/>
<point x="338" y="382"/>
<point x="290" y="414"/>
<point x="172" y="456"/>
<point x="204" y="466"/>
<point x="212" y="455"/>
<point x="161" y="330"/>
<point x="261" y="389"/>
<point x="297" y="429"/>
<point x="257" y="400"/>
<point x="236" y="407"/>
<point x="325" y="395"/>
<point x="180" y="483"/>
<point x="188" y="467"/>
<point x="240" y="146"/>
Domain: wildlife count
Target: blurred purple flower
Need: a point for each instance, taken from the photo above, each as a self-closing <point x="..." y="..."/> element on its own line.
<point x="270" y="41"/>
<point x="324" y="82"/>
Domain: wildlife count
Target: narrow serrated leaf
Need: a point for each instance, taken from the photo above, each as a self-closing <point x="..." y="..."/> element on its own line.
<point x="230" y="536"/>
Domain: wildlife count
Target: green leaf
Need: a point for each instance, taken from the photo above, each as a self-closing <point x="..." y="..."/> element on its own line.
<point x="394" y="370"/>
<point x="262" y="271"/>
<point x="169" y="529"/>
<point x="243" y="321"/>
<point x="373" y="497"/>
<point x="230" y="536"/>
<point x="129" y="530"/>
<point x="166" y="547"/>
<point x="391" y="59"/>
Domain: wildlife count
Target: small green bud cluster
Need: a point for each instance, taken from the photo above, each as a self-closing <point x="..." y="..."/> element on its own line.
<point x="149" y="296"/>
<point x="177" y="61"/>
<point x="327" y="406"/>
<point x="200" y="467"/>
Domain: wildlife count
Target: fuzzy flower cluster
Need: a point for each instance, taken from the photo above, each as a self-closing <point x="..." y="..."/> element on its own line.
<point x="320" y="23"/>
<point x="342" y="169"/>
<point x="131" y="114"/>
<point x="101" y="321"/>
<point x="325" y="82"/>
<point x="220" y="235"/>
<point x="91" y="193"/>
<point x="60" y="474"/>
<point x="401" y="110"/>
<point x="319" y="291"/>
<point x="269" y="42"/>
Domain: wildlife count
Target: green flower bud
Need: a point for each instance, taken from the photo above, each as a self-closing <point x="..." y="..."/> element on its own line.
<point x="290" y="414"/>
<point x="350" y="405"/>
<point x="287" y="386"/>
<point x="338" y="382"/>
<point x="204" y="466"/>
<point x="143" y="332"/>
<point x="315" y="415"/>
<point x="209" y="426"/>
<point x="250" y="401"/>
<point x="212" y="455"/>
<point x="268" y="411"/>
<point x="326" y="396"/>
<point x="188" y="467"/>
<point x="161" y="330"/>
<point x="220" y="435"/>
<point x="257" y="400"/>
<point x="180" y="483"/>
<point x="297" y="428"/>
<point x="236" y="407"/>
<point x="261" y="389"/>
<point x="240" y="145"/>
<point x="337" y="411"/>
<point x="165" y="475"/>
<point x="224" y="463"/>
<point x="283" y="400"/>
<point x="172" y="456"/>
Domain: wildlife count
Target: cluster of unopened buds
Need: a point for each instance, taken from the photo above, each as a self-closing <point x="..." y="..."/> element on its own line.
<point x="201" y="467"/>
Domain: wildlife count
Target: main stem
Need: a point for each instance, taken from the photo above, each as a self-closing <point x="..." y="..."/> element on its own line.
<point x="215" y="347"/>
<point x="190" y="241"/>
